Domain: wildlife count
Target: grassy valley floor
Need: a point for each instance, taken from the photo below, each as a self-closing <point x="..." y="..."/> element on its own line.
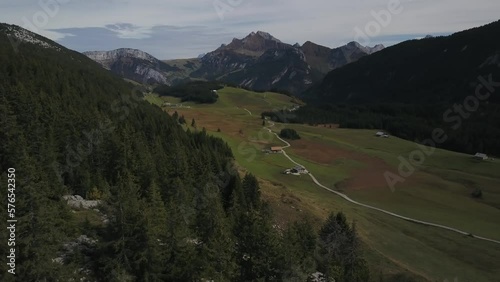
<point x="354" y="162"/>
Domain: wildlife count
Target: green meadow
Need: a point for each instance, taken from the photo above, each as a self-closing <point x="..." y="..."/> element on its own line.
<point x="355" y="162"/>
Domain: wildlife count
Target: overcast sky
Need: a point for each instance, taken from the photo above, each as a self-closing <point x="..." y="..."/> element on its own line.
<point x="181" y="29"/>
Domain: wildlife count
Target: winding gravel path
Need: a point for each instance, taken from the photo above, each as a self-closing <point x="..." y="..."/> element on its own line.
<point x="248" y="111"/>
<point x="375" y="208"/>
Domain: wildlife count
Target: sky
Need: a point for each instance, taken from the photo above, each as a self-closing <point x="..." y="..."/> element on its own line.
<point x="184" y="29"/>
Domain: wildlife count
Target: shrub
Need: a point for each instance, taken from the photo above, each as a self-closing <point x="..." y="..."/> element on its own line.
<point x="288" y="133"/>
<point x="477" y="193"/>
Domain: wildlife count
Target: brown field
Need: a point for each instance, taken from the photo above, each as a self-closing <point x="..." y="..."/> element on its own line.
<point x="211" y="121"/>
<point x="328" y="125"/>
<point x="369" y="176"/>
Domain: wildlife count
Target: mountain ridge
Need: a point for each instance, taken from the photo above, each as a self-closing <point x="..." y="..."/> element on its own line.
<point x="18" y="35"/>
<point x="134" y="64"/>
<point x="258" y="61"/>
<point x="262" y="62"/>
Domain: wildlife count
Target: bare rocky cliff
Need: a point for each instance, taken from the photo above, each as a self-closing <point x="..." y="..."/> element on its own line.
<point x="133" y="64"/>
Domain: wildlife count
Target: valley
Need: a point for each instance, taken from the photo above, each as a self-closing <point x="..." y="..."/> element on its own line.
<point x="353" y="162"/>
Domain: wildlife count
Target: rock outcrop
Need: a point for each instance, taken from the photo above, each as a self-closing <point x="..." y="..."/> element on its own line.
<point x="133" y="64"/>
<point x="77" y="202"/>
<point x="20" y="35"/>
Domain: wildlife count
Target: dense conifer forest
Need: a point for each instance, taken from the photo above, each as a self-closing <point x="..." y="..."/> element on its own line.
<point x="478" y="133"/>
<point x="196" y="91"/>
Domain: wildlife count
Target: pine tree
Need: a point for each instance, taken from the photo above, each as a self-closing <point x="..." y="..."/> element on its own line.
<point x="258" y="252"/>
<point x="180" y="263"/>
<point x="251" y="191"/>
<point x="124" y="252"/>
<point x="299" y="247"/>
<point x="331" y="239"/>
<point x="158" y="246"/>
<point x="356" y="268"/>
<point x="42" y="217"/>
<point x="182" y="120"/>
<point x="339" y="255"/>
<point x="216" y="243"/>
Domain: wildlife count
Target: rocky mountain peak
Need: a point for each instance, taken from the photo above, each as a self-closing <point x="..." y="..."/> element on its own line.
<point x="113" y="55"/>
<point x="353" y="45"/>
<point x="254" y="44"/>
<point x="309" y="47"/>
<point x="377" y="48"/>
<point x="267" y="36"/>
<point x="133" y="64"/>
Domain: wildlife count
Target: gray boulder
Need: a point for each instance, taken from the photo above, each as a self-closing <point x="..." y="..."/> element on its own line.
<point x="77" y="202"/>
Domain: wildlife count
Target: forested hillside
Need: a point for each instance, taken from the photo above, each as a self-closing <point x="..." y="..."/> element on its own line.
<point x="416" y="86"/>
<point x="431" y="70"/>
<point x="175" y="207"/>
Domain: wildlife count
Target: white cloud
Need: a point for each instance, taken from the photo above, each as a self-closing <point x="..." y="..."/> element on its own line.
<point x="129" y="31"/>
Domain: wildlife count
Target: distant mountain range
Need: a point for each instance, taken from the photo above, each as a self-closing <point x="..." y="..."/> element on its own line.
<point x="259" y="61"/>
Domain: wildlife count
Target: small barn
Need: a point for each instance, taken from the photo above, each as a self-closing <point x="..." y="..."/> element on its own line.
<point x="276" y="149"/>
<point x="480" y="156"/>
